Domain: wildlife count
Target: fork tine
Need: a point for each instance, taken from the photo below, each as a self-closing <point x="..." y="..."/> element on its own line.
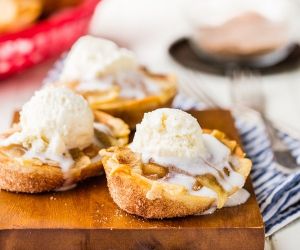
<point x="188" y="89"/>
<point x="199" y="92"/>
<point x="246" y="89"/>
<point x="195" y="85"/>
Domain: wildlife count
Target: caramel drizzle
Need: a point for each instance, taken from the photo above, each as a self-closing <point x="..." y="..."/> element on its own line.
<point x="205" y="180"/>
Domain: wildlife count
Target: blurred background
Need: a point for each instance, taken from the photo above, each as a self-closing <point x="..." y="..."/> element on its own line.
<point x="33" y="33"/>
<point x="225" y="53"/>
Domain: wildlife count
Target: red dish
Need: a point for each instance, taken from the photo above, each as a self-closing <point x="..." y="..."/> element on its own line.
<point x="47" y="38"/>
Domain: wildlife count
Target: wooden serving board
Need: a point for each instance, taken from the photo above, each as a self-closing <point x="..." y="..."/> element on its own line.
<point x="87" y="218"/>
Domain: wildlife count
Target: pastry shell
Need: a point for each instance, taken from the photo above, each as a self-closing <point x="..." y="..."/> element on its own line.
<point x="132" y="110"/>
<point x="139" y="195"/>
<point x="34" y="176"/>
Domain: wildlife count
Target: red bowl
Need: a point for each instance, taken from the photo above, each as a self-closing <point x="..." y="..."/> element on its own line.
<point x="47" y="38"/>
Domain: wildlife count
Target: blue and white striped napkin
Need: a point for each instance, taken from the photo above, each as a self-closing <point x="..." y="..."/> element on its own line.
<point x="277" y="193"/>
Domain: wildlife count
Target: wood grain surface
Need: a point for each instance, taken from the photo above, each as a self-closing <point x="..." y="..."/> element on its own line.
<point x="87" y="218"/>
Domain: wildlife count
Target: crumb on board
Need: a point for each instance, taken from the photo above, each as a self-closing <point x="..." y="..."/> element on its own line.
<point x="52" y="198"/>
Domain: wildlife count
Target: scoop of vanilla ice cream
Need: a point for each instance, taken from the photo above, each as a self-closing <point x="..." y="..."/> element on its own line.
<point x="91" y="57"/>
<point x="166" y="134"/>
<point x="56" y="120"/>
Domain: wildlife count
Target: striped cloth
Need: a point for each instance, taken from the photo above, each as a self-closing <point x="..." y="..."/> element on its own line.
<point x="277" y="193"/>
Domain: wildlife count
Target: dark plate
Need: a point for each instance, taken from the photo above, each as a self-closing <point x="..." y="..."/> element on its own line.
<point x="184" y="53"/>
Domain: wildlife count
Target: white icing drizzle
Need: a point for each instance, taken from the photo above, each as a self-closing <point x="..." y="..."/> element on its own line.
<point x="238" y="198"/>
<point x="39" y="149"/>
<point x="96" y="158"/>
<point x="208" y="211"/>
<point x="218" y="152"/>
<point x="64" y="162"/>
<point x="15" y="138"/>
<point x="217" y="158"/>
<point x="66" y="187"/>
<point x="188" y="182"/>
<point x="188" y="165"/>
<point x="101" y="84"/>
<point x="132" y="84"/>
<point x="200" y="167"/>
<point x="237" y="179"/>
<point x="102" y="128"/>
<point x="205" y="192"/>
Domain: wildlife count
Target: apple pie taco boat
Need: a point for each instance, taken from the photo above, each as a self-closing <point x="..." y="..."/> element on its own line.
<point x="18" y="174"/>
<point x="143" y="188"/>
<point x="111" y="80"/>
<point x="132" y="109"/>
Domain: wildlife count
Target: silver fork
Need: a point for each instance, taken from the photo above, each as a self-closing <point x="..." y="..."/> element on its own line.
<point x="191" y="85"/>
<point x="251" y="96"/>
<point x="246" y="90"/>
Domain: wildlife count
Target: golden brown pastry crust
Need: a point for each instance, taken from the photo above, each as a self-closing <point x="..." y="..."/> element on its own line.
<point x="18" y="14"/>
<point x="33" y="179"/>
<point x="33" y="176"/>
<point x="130" y="189"/>
<point x="132" y="111"/>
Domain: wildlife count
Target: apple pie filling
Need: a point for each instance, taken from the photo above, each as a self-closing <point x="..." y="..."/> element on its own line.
<point x="121" y="85"/>
<point x="103" y="137"/>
